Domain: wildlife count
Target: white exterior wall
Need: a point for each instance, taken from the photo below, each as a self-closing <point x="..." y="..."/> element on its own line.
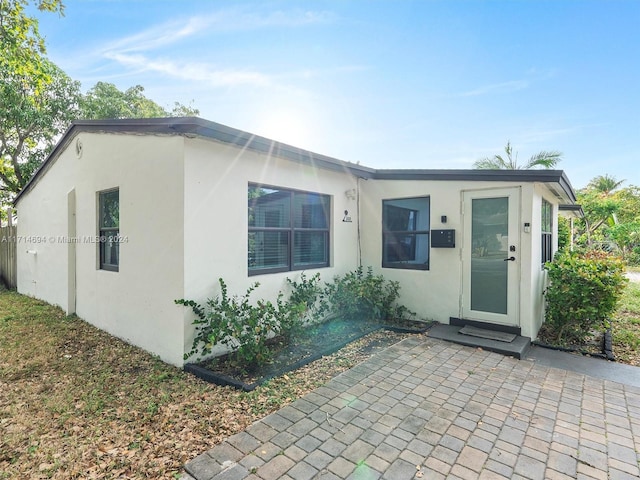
<point x="183" y="211"/>
<point x="216" y="223"/>
<point x="436" y="294"/>
<point x="135" y="303"/>
<point x="539" y="274"/>
<point x="42" y="256"/>
<point x="529" y="261"/>
<point x="433" y="294"/>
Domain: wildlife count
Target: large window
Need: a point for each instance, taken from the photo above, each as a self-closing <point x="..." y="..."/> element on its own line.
<point x="288" y="230"/>
<point x="109" y="229"/>
<point x="405" y="233"/>
<point x="547" y="232"/>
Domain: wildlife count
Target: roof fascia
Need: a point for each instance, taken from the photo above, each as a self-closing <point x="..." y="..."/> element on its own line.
<point x="573" y="210"/>
<point x="64" y="141"/>
<point x="198" y="127"/>
<point x="542" y="176"/>
<point x="195" y="127"/>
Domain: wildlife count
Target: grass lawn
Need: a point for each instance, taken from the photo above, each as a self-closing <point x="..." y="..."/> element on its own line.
<point x="78" y="403"/>
<point x="626" y="326"/>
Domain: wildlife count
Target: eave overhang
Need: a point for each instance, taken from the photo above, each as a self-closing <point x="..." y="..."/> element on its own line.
<point x="193" y="127"/>
<point x="572" y="210"/>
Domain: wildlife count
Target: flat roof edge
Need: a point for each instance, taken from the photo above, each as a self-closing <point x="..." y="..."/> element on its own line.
<point x="205" y="128"/>
<point x="574" y="209"/>
<point x="199" y="127"/>
<point x="543" y="176"/>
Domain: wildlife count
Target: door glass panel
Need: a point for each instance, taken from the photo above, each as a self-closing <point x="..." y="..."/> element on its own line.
<point x="490" y="243"/>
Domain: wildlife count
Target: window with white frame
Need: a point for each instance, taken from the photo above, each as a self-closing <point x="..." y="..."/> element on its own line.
<point x="109" y="229"/>
<point x="546" y="223"/>
<point x="405" y="233"/>
<point x="288" y="229"/>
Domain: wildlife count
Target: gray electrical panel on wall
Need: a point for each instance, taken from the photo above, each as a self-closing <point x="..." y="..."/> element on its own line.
<point x="443" y="238"/>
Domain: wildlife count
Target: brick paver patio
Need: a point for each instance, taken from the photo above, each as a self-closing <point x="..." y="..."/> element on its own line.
<point x="425" y="408"/>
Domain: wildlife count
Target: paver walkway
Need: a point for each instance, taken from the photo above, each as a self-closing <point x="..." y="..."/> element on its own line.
<point x="425" y="408"/>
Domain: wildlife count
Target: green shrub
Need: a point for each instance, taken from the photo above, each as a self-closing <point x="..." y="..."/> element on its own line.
<point x="245" y="328"/>
<point x="582" y="294"/>
<point x="633" y="258"/>
<point x="306" y="292"/>
<point x="289" y="316"/>
<point x="362" y="296"/>
<point x="236" y="323"/>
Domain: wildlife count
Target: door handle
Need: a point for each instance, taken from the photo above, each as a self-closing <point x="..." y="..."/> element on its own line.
<point x="510" y="259"/>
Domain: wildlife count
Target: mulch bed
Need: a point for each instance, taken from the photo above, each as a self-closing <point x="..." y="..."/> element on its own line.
<point x="598" y="345"/>
<point x="313" y="342"/>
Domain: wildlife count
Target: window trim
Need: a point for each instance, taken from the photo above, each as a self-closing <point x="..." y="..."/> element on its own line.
<point x="291" y="232"/>
<point x="414" y="233"/>
<point x="103" y="232"/>
<point x="546" y="237"/>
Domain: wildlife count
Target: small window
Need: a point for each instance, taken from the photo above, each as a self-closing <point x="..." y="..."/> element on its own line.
<point x="405" y="233"/>
<point x="546" y="223"/>
<point x="288" y="230"/>
<point x="109" y="229"/>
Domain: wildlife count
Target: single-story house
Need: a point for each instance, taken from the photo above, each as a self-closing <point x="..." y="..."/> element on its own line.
<point x="126" y="216"/>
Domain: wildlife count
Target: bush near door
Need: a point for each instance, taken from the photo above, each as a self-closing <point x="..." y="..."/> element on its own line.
<point x="584" y="289"/>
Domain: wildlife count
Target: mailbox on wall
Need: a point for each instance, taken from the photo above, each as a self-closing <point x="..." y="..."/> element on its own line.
<point x="443" y="238"/>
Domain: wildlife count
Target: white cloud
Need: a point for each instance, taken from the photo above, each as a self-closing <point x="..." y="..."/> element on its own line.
<point x="149" y="49"/>
<point x="244" y="20"/>
<point x="222" y="21"/>
<point x="215" y="76"/>
<point x="157" y="36"/>
<point x="198" y="72"/>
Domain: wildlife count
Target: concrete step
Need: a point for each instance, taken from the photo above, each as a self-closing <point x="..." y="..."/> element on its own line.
<point x="517" y="348"/>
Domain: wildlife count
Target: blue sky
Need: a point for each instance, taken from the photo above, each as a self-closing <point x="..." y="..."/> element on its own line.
<point x="387" y="83"/>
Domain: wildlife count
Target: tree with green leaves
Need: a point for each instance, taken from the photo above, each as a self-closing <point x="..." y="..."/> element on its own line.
<point x="598" y="211"/>
<point x="544" y="159"/>
<point x="604" y="184"/>
<point x="34" y="114"/>
<point x="625" y="230"/>
<point x="612" y="217"/>
<point x="105" y="100"/>
<point x="37" y="99"/>
<point x="32" y="118"/>
<point x="599" y="202"/>
<point x="21" y="46"/>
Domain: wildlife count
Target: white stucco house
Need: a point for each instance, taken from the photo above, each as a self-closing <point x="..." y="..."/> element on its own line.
<point x="192" y="201"/>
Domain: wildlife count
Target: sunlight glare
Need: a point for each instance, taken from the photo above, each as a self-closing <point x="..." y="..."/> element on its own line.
<point x="287" y="125"/>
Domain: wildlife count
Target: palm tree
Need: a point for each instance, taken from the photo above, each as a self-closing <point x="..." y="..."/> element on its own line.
<point x="543" y="159"/>
<point x="604" y="184"/>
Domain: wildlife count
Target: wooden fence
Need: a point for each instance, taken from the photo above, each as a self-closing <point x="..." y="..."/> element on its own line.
<point x="8" y="254"/>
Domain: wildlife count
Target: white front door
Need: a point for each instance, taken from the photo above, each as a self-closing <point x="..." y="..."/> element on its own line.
<point x="491" y="256"/>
